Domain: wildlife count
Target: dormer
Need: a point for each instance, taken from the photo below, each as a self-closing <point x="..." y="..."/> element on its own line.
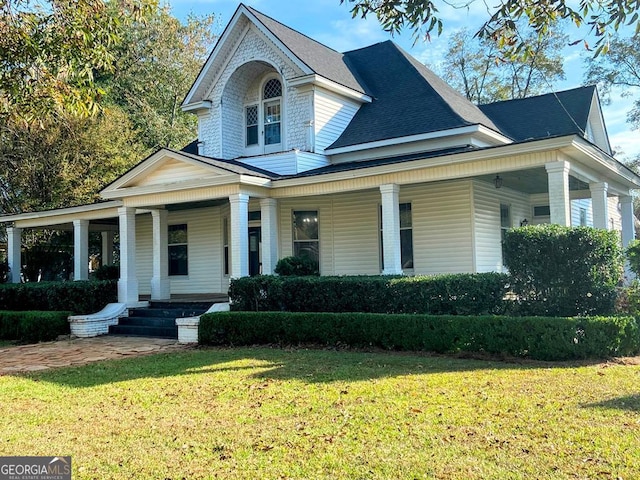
<point x="259" y="91"/>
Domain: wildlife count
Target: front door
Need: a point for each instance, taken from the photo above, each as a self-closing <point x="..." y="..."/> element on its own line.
<point x="255" y="265"/>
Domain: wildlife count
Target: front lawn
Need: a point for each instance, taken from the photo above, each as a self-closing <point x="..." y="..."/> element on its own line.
<point x="267" y="413"/>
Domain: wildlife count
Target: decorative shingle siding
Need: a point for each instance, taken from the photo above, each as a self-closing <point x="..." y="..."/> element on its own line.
<point x="238" y="82"/>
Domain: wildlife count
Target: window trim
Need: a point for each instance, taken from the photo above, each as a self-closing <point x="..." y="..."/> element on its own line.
<point x="293" y="231"/>
<point x="177" y="244"/>
<point x="400" y="230"/>
<point x="261" y="147"/>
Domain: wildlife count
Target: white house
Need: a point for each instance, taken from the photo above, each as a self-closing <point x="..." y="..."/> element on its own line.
<point x="364" y="160"/>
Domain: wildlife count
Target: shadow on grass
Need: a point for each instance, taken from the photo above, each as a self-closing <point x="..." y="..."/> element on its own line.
<point x="629" y="403"/>
<point x="306" y="365"/>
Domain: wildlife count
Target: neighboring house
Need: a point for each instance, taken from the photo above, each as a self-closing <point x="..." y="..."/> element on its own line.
<point x="366" y="161"/>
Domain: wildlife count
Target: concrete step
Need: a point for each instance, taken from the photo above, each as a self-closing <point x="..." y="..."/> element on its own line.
<point x="148" y="321"/>
<point x="144" y="331"/>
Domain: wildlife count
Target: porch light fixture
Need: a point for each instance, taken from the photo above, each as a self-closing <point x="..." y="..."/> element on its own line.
<point x="497" y="181"/>
<point x="524" y="222"/>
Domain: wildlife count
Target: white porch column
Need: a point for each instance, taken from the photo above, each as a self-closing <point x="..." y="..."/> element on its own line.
<point x="128" y="282"/>
<point x="81" y="249"/>
<point x="600" y="204"/>
<point x="269" y="225"/>
<point x="239" y="229"/>
<point x="391" y="229"/>
<point x="160" y="285"/>
<point x="628" y="220"/>
<point x="559" y="200"/>
<point x="107" y="248"/>
<point x="14" y="253"/>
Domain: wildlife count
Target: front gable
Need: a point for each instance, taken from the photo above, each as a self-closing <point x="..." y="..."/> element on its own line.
<point x="168" y="170"/>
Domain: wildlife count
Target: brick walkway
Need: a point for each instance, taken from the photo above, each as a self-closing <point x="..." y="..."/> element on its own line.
<point x="79" y="351"/>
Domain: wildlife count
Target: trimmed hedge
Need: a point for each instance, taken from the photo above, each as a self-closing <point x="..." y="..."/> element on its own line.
<point x="538" y="338"/>
<point x="33" y="327"/>
<point x="564" y="271"/>
<point x="462" y="294"/>
<point x="77" y="297"/>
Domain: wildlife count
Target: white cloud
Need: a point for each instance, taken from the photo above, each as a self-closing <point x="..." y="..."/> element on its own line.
<point x="344" y="35"/>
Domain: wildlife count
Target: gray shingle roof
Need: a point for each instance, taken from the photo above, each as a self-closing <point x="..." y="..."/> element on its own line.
<point x="409" y="99"/>
<point x="321" y="59"/>
<point x="549" y="115"/>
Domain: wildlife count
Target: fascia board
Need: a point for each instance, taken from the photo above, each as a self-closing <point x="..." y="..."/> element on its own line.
<point x="214" y="54"/>
<point x="475" y="155"/>
<point x="419" y="137"/>
<point x="319" y="80"/>
<point x="92" y="211"/>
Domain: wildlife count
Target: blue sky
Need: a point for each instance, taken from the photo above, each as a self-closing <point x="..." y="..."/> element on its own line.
<point x="331" y="23"/>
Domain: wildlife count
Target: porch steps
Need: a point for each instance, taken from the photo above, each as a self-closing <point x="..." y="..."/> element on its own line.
<point x="158" y="320"/>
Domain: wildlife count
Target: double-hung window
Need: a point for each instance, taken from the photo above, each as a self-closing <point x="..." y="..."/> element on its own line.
<point x="178" y="250"/>
<point x="263" y="121"/>
<point x="406" y="237"/>
<point x="306" y="239"/>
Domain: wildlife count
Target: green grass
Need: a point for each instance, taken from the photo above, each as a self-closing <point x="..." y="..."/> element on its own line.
<point x="262" y="413"/>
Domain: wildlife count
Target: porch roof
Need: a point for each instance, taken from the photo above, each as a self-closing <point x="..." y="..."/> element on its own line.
<point x="60" y="216"/>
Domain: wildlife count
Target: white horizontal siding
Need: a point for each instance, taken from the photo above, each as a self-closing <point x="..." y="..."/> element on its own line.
<point x="309" y="161"/>
<point x="356" y="233"/>
<point x="204" y="236"/>
<point x="282" y="163"/>
<point x="576" y="207"/>
<point x="487" y="228"/>
<point x="332" y="115"/>
<point x="173" y="171"/>
<point x="615" y="218"/>
<point x="441" y="216"/>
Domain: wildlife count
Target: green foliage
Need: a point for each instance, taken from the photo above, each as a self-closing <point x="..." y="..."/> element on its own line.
<point x="423" y="18"/>
<point x="51" y="52"/>
<point x="296" y="266"/>
<point x="476" y="67"/>
<point x="107" y="272"/>
<point x="463" y="294"/>
<point x="633" y="256"/>
<point x="76" y="297"/>
<point x="563" y="271"/>
<point x="65" y="158"/>
<point x="619" y="69"/>
<point x="531" y="337"/>
<point x="33" y="326"/>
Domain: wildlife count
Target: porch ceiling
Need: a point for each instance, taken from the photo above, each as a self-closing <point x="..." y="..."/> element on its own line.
<point x="531" y="181"/>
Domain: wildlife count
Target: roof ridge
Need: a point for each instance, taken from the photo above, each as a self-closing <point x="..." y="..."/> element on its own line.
<point x="443" y="89"/>
<point x="254" y="11"/>
<point x="540" y="95"/>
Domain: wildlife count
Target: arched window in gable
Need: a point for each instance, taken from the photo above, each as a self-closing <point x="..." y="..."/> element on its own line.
<point x="264" y="121"/>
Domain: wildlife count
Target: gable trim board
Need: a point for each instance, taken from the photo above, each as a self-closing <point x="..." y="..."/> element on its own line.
<point x="374" y="119"/>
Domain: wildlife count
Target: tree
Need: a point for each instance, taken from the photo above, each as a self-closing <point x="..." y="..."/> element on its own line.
<point x="476" y="67"/>
<point x="51" y="50"/>
<point x="600" y="17"/>
<point x="619" y="69"/>
<point x="157" y="63"/>
<point x="66" y="157"/>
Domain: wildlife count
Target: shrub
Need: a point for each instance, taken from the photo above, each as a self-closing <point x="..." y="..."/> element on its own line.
<point x="32" y="327"/>
<point x="298" y="266"/>
<point x="76" y="297"/>
<point x="540" y="338"/>
<point x="562" y="271"/>
<point x="463" y="294"/>
<point x="633" y="255"/>
<point x="107" y="272"/>
<point x="4" y="272"/>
